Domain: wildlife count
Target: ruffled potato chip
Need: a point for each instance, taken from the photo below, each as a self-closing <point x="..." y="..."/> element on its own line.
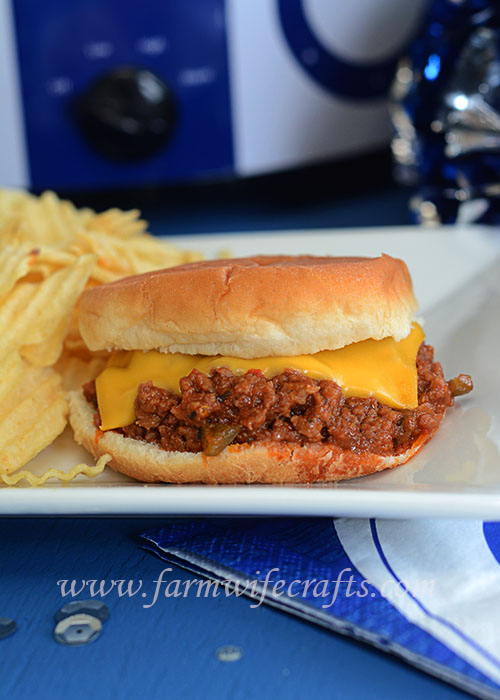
<point x="76" y="371"/>
<point x="52" y="473"/>
<point x="50" y="251"/>
<point x="14" y="264"/>
<point x="32" y="415"/>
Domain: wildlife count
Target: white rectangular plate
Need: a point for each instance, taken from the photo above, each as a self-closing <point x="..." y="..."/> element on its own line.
<point x="456" y="277"/>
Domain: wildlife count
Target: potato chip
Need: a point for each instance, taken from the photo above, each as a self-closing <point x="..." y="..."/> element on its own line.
<point x="52" y="473"/>
<point x="49" y="252"/>
<point x="31" y="417"/>
<point x="11" y="374"/>
<point x="41" y="433"/>
<point x="76" y="371"/>
<point x="117" y="257"/>
<point x="22" y="383"/>
<point x="48" y="220"/>
<point x="10" y="200"/>
<point x="116" y="222"/>
<point x="75" y="345"/>
<point x="50" y="259"/>
<point x="32" y="312"/>
<point x="48" y="351"/>
<point x="14" y="264"/>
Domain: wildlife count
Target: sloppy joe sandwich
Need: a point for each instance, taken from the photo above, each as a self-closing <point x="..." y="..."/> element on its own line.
<point x="268" y="369"/>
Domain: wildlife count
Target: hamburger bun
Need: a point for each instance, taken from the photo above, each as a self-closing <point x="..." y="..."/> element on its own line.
<point x="272" y="463"/>
<point x="252" y="307"/>
<point x="246" y="308"/>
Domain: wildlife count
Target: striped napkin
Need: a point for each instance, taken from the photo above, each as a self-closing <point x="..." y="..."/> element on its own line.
<point x="427" y="591"/>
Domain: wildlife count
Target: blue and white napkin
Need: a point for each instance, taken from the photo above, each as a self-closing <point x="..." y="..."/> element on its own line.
<point x="427" y="591"/>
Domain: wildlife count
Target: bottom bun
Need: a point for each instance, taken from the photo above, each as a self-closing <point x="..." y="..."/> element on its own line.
<point x="265" y="463"/>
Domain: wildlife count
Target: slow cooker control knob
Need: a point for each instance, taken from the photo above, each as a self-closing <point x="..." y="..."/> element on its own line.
<point x="127" y="114"/>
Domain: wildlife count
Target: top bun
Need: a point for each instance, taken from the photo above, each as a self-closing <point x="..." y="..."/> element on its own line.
<point x="252" y="307"/>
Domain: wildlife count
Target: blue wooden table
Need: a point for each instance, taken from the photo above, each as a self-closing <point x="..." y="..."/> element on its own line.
<point x="169" y="650"/>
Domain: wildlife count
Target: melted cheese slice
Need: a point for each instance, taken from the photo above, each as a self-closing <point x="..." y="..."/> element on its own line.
<point x="384" y="369"/>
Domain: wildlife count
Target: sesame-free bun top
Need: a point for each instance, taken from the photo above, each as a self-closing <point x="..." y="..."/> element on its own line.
<point x="252" y="307"/>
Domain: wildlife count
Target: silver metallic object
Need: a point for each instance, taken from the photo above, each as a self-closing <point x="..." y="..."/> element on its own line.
<point x="7" y="627"/>
<point x="96" y="608"/>
<point x="77" y="630"/>
<point x="229" y="652"/>
<point x="446" y="112"/>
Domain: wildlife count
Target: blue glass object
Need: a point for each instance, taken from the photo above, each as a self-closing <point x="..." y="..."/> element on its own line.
<point x="446" y="113"/>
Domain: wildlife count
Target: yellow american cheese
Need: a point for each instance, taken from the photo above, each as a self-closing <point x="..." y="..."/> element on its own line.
<point x="384" y="369"/>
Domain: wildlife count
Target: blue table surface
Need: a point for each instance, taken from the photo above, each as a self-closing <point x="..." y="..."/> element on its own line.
<point x="169" y="649"/>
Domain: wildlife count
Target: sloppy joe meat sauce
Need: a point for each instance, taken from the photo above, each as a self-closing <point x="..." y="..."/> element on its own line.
<point x="290" y="407"/>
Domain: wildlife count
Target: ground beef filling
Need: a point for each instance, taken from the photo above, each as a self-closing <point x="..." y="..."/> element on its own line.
<point x="214" y="411"/>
